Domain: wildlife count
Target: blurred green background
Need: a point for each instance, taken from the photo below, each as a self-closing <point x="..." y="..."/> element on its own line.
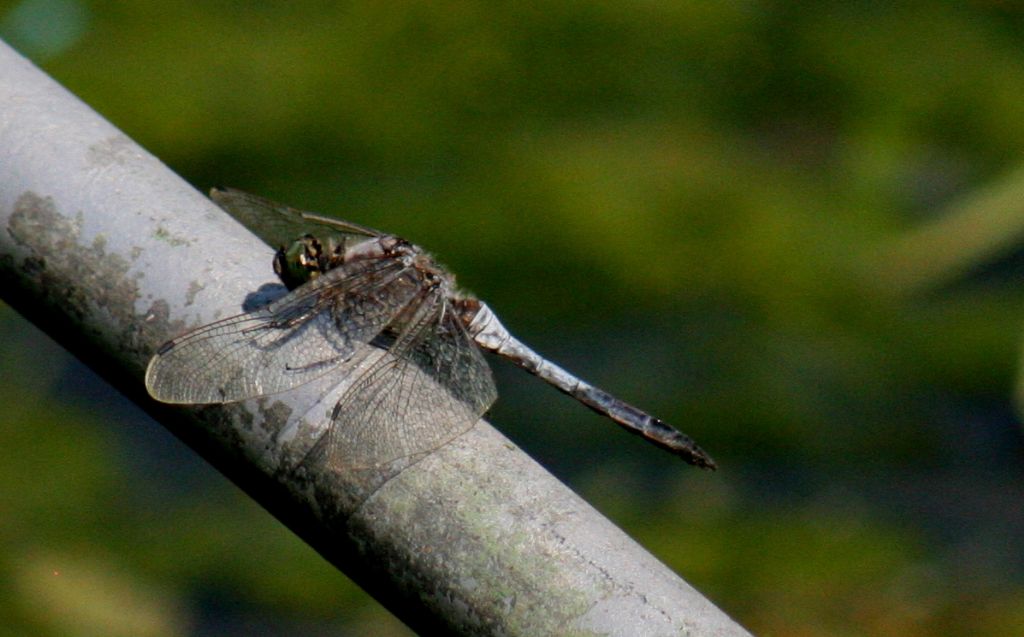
<point x="796" y="231"/>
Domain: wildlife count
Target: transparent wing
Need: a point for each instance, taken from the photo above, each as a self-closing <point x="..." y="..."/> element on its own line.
<point x="278" y="224"/>
<point x="432" y="385"/>
<point x="292" y="341"/>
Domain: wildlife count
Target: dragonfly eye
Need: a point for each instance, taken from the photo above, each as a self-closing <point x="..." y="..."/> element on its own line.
<point x="299" y="262"/>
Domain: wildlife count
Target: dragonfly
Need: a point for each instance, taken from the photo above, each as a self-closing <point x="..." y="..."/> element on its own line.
<point x="354" y="291"/>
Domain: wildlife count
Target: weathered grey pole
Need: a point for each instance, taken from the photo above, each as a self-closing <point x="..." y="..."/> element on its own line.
<point x="111" y="253"/>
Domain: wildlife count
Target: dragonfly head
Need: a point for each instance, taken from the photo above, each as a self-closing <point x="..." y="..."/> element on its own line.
<point x="299" y="262"/>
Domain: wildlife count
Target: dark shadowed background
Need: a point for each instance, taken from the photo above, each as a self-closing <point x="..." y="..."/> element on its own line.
<point x="797" y="233"/>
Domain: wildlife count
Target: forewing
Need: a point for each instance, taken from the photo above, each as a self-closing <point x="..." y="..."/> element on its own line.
<point x="292" y="341"/>
<point x="278" y="224"/>
<point x="432" y="385"/>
